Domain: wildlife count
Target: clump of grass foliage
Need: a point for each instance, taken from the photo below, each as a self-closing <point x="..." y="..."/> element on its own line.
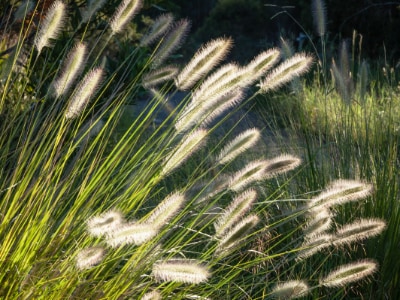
<point x="344" y="120"/>
<point x="158" y="210"/>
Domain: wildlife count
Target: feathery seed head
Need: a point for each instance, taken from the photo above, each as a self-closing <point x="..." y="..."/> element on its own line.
<point x="342" y="191"/>
<point x="172" y="41"/>
<point x="132" y="233"/>
<point x="89" y="257"/>
<point x="166" y="210"/>
<point x="290" y="290"/>
<point x="238" y="145"/>
<point x="319" y="14"/>
<point x="51" y="25"/>
<point x="85" y="90"/>
<point x="124" y="13"/>
<point x="160" y="26"/>
<point x="180" y="270"/>
<point x="281" y="164"/>
<point x="235" y="211"/>
<point x="313" y="244"/>
<point x="295" y="66"/>
<point x="105" y="223"/>
<point x="319" y="222"/>
<point x="349" y="273"/>
<point x="153" y="295"/>
<point x="254" y="171"/>
<point x="260" y="65"/>
<point x="202" y="62"/>
<point x="190" y="143"/>
<point x="71" y="69"/>
<point x="158" y="76"/>
<point x="359" y="230"/>
<point x="236" y="234"/>
<point x="286" y="48"/>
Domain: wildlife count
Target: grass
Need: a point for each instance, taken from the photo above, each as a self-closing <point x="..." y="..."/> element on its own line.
<point x="95" y="206"/>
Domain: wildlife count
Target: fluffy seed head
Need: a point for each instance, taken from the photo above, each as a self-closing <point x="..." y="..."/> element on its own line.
<point x="290" y="290"/>
<point x="281" y="164"/>
<point x="158" y="76"/>
<point x="190" y="143"/>
<point x="71" y="69"/>
<point x="172" y="41"/>
<point x="319" y="222"/>
<point x="254" y="171"/>
<point x="359" y="230"/>
<point x="341" y="191"/>
<point x="131" y="234"/>
<point x="319" y="14"/>
<point x="85" y="90"/>
<point x="238" y="145"/>
<point x="349" y="273"/>
<point x="124" y="13"/>
<point x="105" y="223"/>
<point x="180" y="270"/>
<point x="153" y="295"/>
<point x="166" y="210"/>
<point x="89" y="257"/>
<point x="234" y="212"/>
<point x="236" y="234"/>
<point x="202" y="62"/>
<point x="313" y="244"/>
<point x="160" y="26"/>
<point x="295" y="66"/>
<point x="51" y="25"/>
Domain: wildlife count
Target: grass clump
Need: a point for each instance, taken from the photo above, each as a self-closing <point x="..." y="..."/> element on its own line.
<point x="91" y="211"/>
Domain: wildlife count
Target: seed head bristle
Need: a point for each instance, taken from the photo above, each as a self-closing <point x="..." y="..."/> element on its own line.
<point x="180" y="270"/>
<point x="160" y="26"/>
<point x="126" y="10"/>
<point x="131" y="234"/>
<point x="105" y="223"/>
<point x="290" y="290"/>
<point x="89" y="257"/>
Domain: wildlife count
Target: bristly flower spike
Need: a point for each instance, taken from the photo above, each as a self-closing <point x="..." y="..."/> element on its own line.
<point x="253" y="172"/>
<point x="85" y="90"/>
<point x="105" y="223"/>
<point x="297" y="65"/>
<point x="71" y="69"/>
<point x="131" y="234"/>
<point x="290" y="290"/>
<point x="171" y="42"/>
<point x="319" y="14"/>
<point x="153" y="295"/>
<point x="158" y="76"/>
<point x="89" y="257"/>
<point x="124" y="13"/>
<point x="181" y="270"/>
<point x="281" y="164"/>
<point x="349" y="273"/>
<point x="238" y="145"/>
<point x="203" y="62"/>
<point x="160" y="26"/>
<point x="51" y="25"/>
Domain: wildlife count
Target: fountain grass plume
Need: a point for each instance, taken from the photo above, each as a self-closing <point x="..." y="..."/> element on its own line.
<point x="240" y="205"/>
<point x="292" y="289"/>
<point x="313" y="244"/>
<point x="153" y="295"/>
<point x="319" y="221"/>
<point x="349" y="273"/>
<point x="125" y="12"/>
<point x="202" y="62"/>
<point x="295" y="66"/>
<point x="358" y="230"/>
<point x="281" y="164"/>
<point x="171" y="42"/>
<point x="341" y="191"/>
<point x="131" y="234"/>
<point x="254" y="171"/>
<point x="71" y="69"/>
<point x="105" y="223"/>
<point x="189" y="144"/>
<point x="89" y="257"/>
<point x="238" y="145"/>
<point x="188" y="271"/>
<point x="319" y="16"/>
<point x="51" y="25"/>
<point x="236" y="235"/>
<point x="160" y="26"/>
<point x="166" y="210"/>
<point x="159" y="76"/>
<point x="86" y="89"/>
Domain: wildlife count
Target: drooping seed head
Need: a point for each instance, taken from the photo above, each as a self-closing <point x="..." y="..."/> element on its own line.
<point x="318" y="222"/>
<point x="313" y="244"/>
<point x="160" y="26"/>
<point x="281" y="164"/>
<point x="349" y="273"/>
<point x="105" y="223"/>
<point x="158" y="76"/>
<point x="180" y="270"/>
<point x="290" y="290"/>
<point x="252" y="172"/>
<point x="131" y="234"/>
<point x="319" y="15"/>
<point x="202" y="62"/>
<point x="89" y="257"/>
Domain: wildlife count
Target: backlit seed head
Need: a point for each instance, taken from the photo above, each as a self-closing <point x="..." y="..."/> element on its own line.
<point x="89" y="257"/>
<point x="290" y="290"/>
<point x="180" y="270"/>
<point x="105" y="223"/>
